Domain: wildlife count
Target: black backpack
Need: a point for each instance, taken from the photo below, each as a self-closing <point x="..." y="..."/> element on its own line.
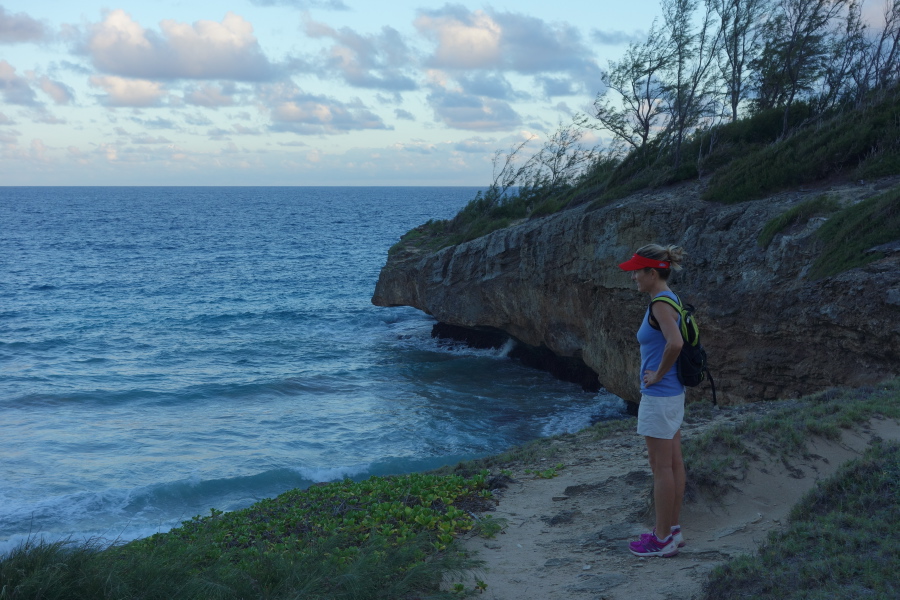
<point x="692" y="366"/>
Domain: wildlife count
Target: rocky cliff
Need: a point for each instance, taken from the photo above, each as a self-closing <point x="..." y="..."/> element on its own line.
<point x="770" y="332"/>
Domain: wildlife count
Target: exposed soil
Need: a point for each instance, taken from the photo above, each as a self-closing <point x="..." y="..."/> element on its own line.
<point x="567" y="537"/>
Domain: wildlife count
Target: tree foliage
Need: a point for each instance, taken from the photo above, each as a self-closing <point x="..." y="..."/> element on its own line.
<point x="712" y="58"/>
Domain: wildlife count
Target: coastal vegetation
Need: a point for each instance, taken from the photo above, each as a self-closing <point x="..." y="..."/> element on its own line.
<point x="835" y="544"/>
<point x="394" y="537"/>
<point x="853" y="236"/>
<point x="800" y="213"/>
<point x="385" y="537"/>
<point x="751" y="96"/>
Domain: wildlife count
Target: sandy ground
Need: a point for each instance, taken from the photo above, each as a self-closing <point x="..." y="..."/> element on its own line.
<point x="567" y="537"/>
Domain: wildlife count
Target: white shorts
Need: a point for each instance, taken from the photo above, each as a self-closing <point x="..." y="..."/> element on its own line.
<point x="660" y="416"/>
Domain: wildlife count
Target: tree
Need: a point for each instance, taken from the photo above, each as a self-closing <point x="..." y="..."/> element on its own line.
<point x="847" y="52"/>
<point x="795" y="52"/>
<point x="886" y="49"/>
<point x="562" y="158"/>
<point x="558" y="164"/>
<point x="740" y="22"/>
<point x="688" y="88"/>
<point x="638" y="107"/>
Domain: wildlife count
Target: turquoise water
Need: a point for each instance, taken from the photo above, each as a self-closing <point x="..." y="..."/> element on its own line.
<point x="164" y="351"/>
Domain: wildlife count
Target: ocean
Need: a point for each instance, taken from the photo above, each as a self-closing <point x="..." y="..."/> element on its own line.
<point x="165" y="351"/>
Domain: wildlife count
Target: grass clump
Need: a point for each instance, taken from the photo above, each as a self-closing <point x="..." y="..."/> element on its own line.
<point x="721" y="456"/>
<point x="838" y="543"/>
<point x="850" y="234"/>
<point x="820" y="205"/>
<point x="379" y="538"/>
<point x="859" y="143"/>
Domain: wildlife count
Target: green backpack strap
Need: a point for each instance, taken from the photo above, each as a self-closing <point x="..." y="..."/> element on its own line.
<point x="689" y="329"/>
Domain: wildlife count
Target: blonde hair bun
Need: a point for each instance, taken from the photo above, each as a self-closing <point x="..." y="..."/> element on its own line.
<point x="674" y="255"/>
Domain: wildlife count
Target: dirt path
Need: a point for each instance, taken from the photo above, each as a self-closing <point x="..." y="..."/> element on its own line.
<point x="567" y="537"/>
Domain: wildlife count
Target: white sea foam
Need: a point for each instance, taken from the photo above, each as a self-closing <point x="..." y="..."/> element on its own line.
<point x="323" y="474"/>
<point x="507" y="348"/>
<point x="607" y="406"/>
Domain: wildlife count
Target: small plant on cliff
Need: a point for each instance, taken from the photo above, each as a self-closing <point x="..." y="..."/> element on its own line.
<point x="820" y="205"/>
<point x="852" y="236"/>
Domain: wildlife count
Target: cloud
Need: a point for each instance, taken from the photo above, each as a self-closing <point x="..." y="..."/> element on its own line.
<point x="304" y="4"/>
<point x="558" y="86"/>
<point x="76" y="67"/>
<point x="617" y="38"/>
<point x="504" y="41"/>
<point x="157" y="123"/>
<point x="41" y="115"/>
<point x="129" y="92"/>
<point x="205" y="50"/>
<point x="465" y="40"/>
<point x="404" y="114"/>
<point x="416" y="147"/>
<point x="4" y="120"/>
<point x="198" y="120"/>
<point x="296" y="111"/>
<point x="211" y="96"/>
<point x="491" y="85"/>
<point x="218" y="133"/>
<point x="15" y="89"/>
<point x="565" y="109"/>
<point x="459" y="110"/>
<point x="19" y="28"/>
<point x="60" y="92"/>
<point x="149" y="139"/>
<point x="365" y="61"/>
<point x="476" y="145"/>
<point x="8" y="138"/>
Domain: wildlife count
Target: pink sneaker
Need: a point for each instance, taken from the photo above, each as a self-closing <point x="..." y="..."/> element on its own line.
<point x="676" y="535"/>
<point x="649" y="545"/>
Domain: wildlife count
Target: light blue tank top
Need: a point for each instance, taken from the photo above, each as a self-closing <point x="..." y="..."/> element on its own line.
<point x="653" y="342"/>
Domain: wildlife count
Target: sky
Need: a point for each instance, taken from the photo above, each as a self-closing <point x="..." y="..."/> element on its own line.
<point x="293" y="92"/>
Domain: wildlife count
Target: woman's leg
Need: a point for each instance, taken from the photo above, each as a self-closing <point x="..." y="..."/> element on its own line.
<point x="668" y="481"/>
<point x="680" y="476"/>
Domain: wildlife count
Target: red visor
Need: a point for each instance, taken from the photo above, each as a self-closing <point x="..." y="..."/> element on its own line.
<point x="642" y="262"/>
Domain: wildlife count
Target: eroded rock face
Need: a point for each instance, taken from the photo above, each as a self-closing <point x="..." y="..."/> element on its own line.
<point x="769" y="331"/>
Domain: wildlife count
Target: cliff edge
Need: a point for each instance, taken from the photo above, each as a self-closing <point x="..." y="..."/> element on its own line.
<point x="770" y="331"/>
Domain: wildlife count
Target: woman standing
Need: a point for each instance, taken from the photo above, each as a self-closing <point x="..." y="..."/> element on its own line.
<point x="661" y="410"/>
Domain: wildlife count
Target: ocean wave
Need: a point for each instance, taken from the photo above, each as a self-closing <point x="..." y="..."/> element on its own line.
<point x="324" y="474"/>
<point x="120" y="515"/>
<point x="606" y="407"/>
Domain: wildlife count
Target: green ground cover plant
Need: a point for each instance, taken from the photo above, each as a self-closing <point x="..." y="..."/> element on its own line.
<point x="839" y="543"/>
<point x="386" y="537"/>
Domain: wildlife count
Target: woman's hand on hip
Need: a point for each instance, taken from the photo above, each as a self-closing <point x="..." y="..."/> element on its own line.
<point x="651" y="377"/>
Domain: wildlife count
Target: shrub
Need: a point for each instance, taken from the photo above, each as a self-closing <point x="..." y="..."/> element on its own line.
<point x="851" y="235"/>
<point x="820" y="205"/>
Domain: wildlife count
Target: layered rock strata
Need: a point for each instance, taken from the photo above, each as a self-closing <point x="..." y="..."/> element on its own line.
<point x="770" y="331"/>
